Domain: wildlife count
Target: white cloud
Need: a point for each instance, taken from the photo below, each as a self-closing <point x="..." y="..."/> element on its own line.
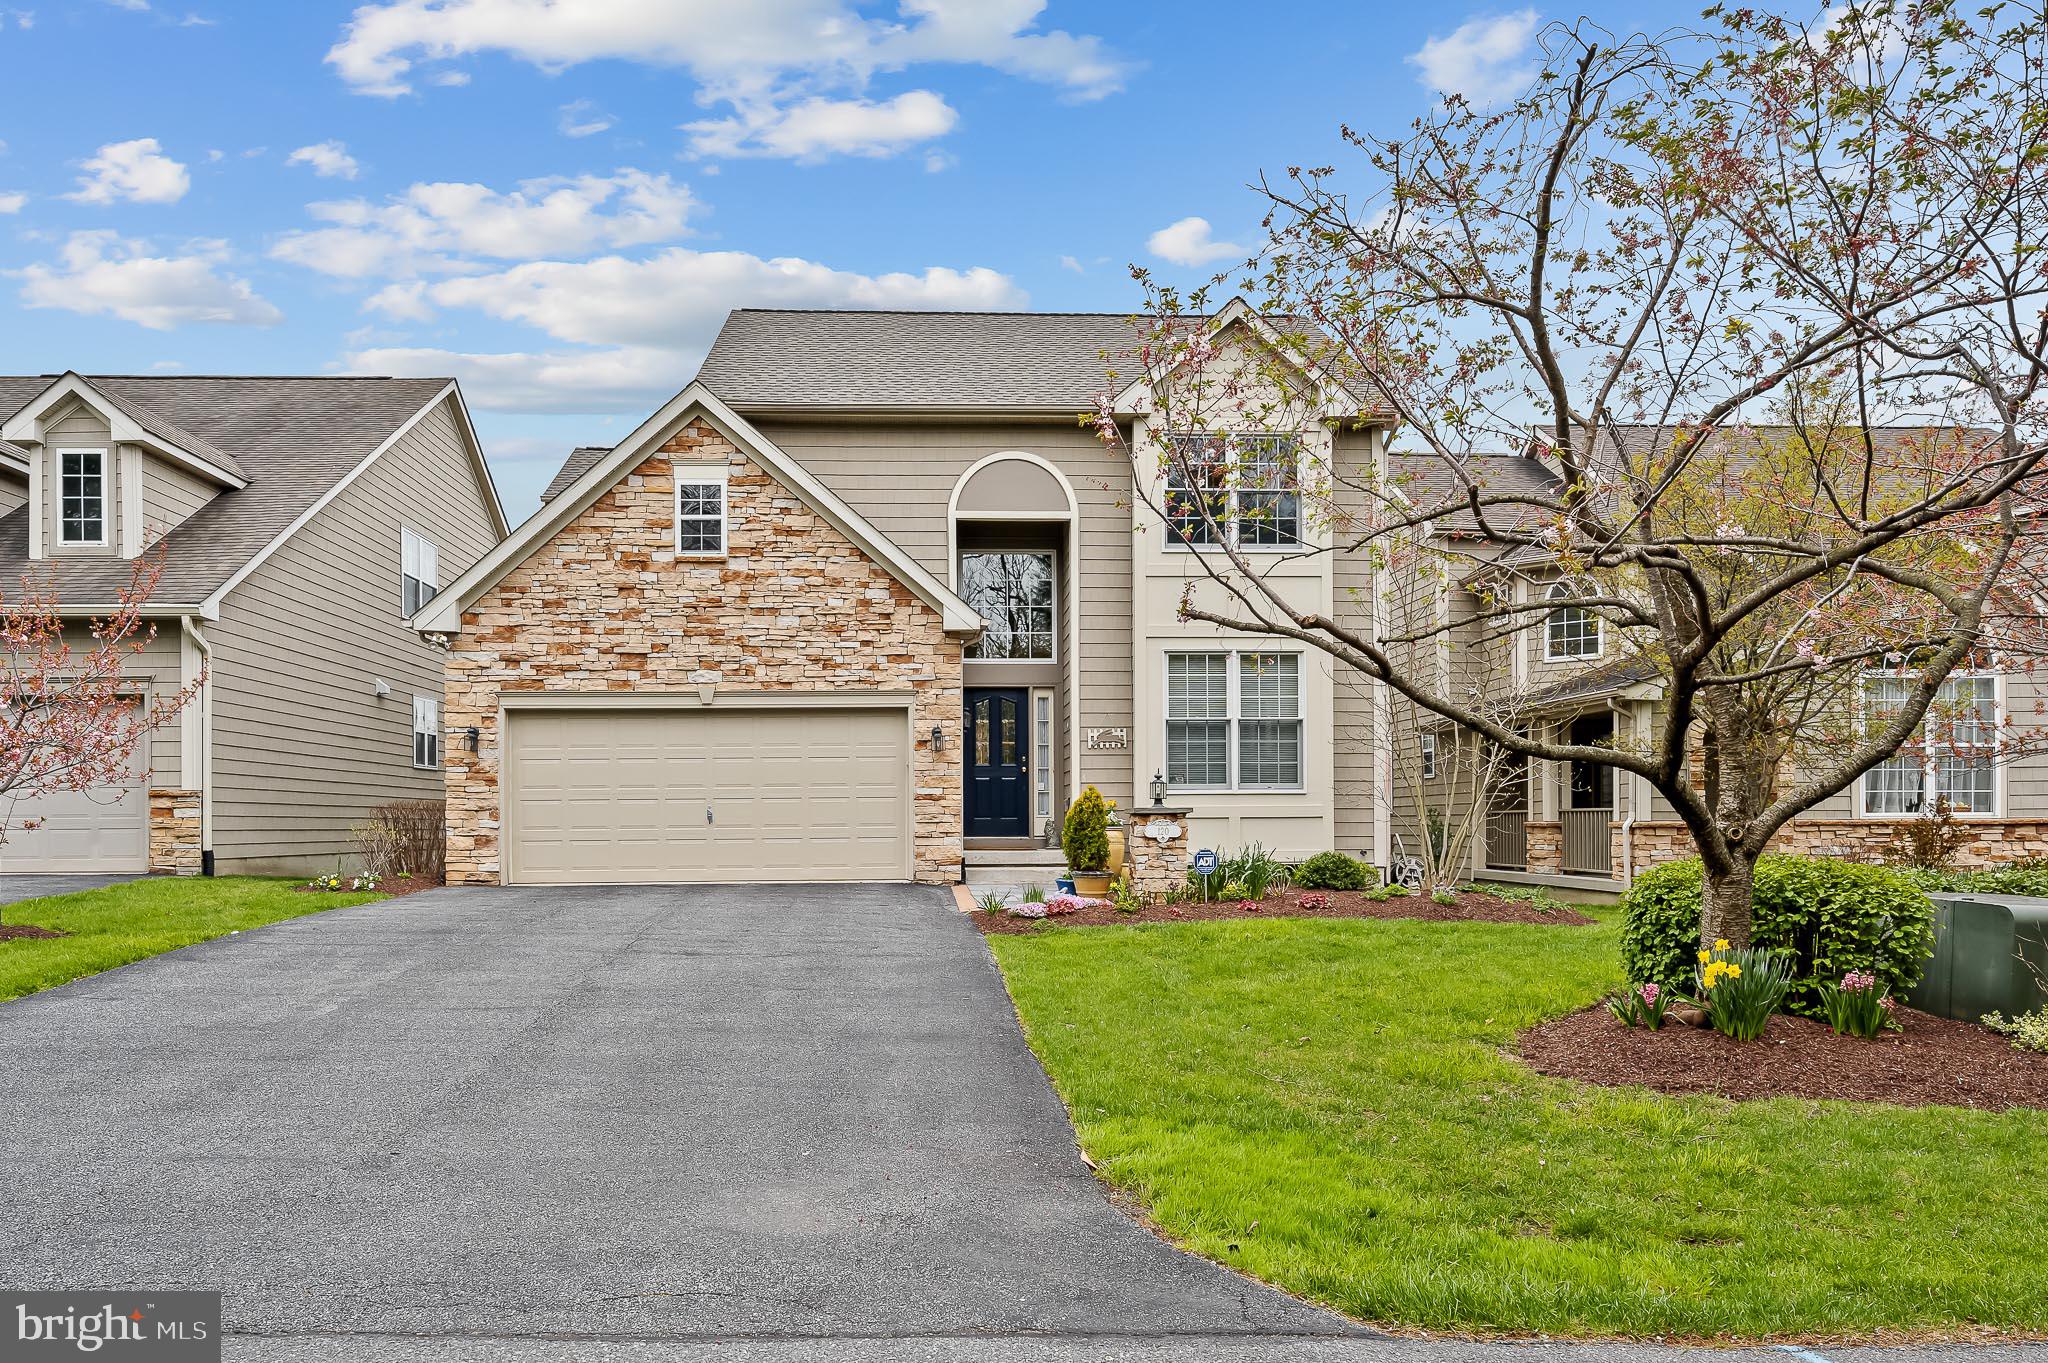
<point x="136" y="170"/>
<point x="813" y="129"/>
<point x="330" y="160"/>
<point x="1485" y="59"/>
<point x="104" y="274"/>
<point x="401" y="302"/>
<point x="936" y="162"/>
<point x="1069" y="263"/>
<point x="451" y="78"/>
<point x="435" y="228"/>
<point x="12" y="202"/>
<point x="581" y="118"/>
<point x="629" y="332"/>
<point x="1189" y="242"/>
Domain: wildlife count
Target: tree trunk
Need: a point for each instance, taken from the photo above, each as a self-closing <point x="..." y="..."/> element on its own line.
<point x="1726" y="904"/>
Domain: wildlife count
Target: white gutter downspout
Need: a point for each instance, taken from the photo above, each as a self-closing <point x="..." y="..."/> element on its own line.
<point x="1628" y="842"/>
<point x="202" y="740"/>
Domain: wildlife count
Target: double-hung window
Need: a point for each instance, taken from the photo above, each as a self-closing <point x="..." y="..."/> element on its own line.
<point x="700" y="512"/>
<point x="1233" y="721"/>
<point x="426" y="731"/>
<point x="81" y="496"/>
<point x="1952" y="761"/>
<point x="1570" y="632"/>
<point x="1013" y="592"/>
<point x="1250" y="486"/>
<point x="1426" y="745"/>
<point x="419" y="572"/>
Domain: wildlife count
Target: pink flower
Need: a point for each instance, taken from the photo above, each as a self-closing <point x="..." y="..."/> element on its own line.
<point x="1649" y="993"/>
<point x="1856" y="981"/>
<point x="1248" y="905"/>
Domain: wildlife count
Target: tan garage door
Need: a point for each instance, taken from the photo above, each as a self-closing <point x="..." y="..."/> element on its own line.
<point x="634" y="795"/>
<point x="104" y="830"/>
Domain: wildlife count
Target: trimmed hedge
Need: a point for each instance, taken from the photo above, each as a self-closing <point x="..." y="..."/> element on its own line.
<point x="1334" y="871"/>
<point x="1835" y="916"/>
<point x="2021" y="878"/>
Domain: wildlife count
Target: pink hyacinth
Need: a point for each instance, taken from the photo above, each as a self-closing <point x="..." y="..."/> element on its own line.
<point x="1856" y="981"/>
<point x="1649" y="993"/>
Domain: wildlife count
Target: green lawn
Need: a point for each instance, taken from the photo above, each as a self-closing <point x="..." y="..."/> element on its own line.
<point x="1327" y="1105"/>
<point x="124" y="923"/>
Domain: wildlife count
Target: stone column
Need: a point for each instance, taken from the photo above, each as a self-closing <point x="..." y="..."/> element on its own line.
<point x="174" y="833"/>
<point x="1156" y="847"/>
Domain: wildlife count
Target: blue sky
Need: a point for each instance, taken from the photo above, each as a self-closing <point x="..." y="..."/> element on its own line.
<point x="557" y="200"/>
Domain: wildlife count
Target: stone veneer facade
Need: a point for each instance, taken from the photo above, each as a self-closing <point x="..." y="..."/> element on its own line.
<point x="1156" y="865"/>
<point x="606" y="606"/>
<point x="174" y="833"/>
<point x="1993" y="842"/>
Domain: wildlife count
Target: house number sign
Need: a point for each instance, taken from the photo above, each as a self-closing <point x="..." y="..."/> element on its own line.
<point x="1109" y="740"/>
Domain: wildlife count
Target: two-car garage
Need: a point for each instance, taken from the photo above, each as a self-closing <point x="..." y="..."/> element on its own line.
<point x="626" y="792"/>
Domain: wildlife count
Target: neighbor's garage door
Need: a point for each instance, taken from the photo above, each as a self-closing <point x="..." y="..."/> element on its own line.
<point x="621" y="795"/>
<point x="105" y="829"/>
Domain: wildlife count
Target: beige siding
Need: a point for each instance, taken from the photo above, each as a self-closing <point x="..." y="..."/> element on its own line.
<point x="900" y="476"/>
<point x="169" y="495"/>
<point x="13" y="493"/>
<point x="1356" y="779"/>
<point x="302" y="746"/>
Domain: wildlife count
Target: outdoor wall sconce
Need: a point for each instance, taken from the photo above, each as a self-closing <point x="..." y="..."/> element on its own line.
<point x="471" y="735"/>
<point x="938" y="738"/>
<point x="1158" y="788"/>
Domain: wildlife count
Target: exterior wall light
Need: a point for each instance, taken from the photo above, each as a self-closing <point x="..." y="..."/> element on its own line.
<point x="938" y="738"/>
<point x="1158" y="788"/>
<point x="471" y="735"/>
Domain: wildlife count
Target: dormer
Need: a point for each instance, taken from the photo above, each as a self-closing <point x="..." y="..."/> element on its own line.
<point x="107" y="476"/>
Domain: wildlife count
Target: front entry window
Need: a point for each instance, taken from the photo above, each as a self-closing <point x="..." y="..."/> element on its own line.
<point x="1013" y="592"/>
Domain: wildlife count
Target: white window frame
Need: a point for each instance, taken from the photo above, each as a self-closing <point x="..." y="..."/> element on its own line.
<point x="1930" y="757"/>
<point x="106" y="459"/>
<point x="1232" y="488"/>
<point x="1426" y="744"/>
<point x="1041" y="755"/>
<point x="1234" y="715"/>
<point x="419" y="561"/>
<point x="1051" y="555"/>
<point x="426" y="732"/>
<point x="1599" y="628"/>
<point x="706" y="475"/>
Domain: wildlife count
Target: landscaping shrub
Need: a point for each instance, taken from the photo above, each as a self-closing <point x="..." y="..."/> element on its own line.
<point x="1334" y="871"/>
<point x="2018" y="878"/>
<point x="1084" y="837"/>
<point x="1254" y="868"/>
<point x="1832" y="916"/>
<point x="2029" y="1031"/>
<point x="405" y="838"/>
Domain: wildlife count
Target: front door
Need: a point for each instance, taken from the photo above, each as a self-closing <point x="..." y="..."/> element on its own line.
<point x="998" y="747"/>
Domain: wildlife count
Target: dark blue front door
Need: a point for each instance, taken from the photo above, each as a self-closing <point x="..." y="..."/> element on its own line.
<point x="998" y="785"/>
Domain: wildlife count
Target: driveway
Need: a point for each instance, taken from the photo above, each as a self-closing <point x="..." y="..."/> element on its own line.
<point x="15" y="888"/>
<point x="512" y="1118"/>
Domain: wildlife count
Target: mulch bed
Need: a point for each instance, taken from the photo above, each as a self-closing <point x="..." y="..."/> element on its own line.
<point x="8" y="930"/>
<point x="1471" y="907"/>
<point x="1932" y="1060"/>
<point x="393" y="887"/>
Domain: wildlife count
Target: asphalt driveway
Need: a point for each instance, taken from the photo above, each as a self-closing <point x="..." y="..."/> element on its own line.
<point x="646" y="1116"/>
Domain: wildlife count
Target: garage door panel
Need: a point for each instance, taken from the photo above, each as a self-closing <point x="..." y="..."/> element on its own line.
<point x="105" y="829"/>
<point x="620" y="795"/>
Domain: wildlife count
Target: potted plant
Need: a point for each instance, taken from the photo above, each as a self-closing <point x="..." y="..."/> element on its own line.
<point x="1084" y="837"/>
<point x="1119" y="848"/>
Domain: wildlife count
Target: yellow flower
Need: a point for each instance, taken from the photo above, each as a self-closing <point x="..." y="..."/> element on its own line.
<point x="1721" y="944"/>
<point x="1706" y="956"/>
<point x="1734" y="971"/>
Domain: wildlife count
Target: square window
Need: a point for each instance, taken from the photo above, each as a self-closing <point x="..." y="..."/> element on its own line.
<point x="1013" y="593"/>
<point x="700" y="514"/>
<point x="1233" y="720"/>
<point x="1953" y="757"/>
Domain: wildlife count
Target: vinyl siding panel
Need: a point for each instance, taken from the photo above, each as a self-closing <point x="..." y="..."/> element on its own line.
<point x="302" y="746"/>
<point x="169" y="496"/>
<point x="13" y="493"/>
<point x="900" y="476"/>
<point x="1356" y="779"/>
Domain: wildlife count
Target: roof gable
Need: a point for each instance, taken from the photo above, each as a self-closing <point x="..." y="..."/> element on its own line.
<point x="443" y="615"/>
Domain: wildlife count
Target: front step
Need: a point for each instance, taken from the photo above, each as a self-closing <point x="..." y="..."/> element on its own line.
<point x="997" y="868"/>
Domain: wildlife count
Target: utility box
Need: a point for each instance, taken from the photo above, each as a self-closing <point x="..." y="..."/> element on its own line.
<point x="1990" y="956"/>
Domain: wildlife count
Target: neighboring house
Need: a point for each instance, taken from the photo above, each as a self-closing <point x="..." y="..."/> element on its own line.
<point x="868" y="593"/>
<point x="300" y="522"/>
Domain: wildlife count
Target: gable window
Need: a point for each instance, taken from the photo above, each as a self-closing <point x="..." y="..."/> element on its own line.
<point x="1013" y="592"/>
<point x="1249" y="484"/>
<point x="700" y="512"/>
<point x="1570" y="631"/>
<point x="82" y="496"/>
<point x="419" y="572"/>
<point x="1233" y="721"/>
<point x="426" y="731"/>
<point x="1952" y="762"/>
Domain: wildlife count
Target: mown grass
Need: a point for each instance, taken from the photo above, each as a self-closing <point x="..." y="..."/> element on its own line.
<point x="123" y="923"/>
<point x="1331" y="1106"/>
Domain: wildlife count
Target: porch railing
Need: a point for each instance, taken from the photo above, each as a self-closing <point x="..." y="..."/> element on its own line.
<point x="1507" y="840"/>
<point x="1588" y="849"/>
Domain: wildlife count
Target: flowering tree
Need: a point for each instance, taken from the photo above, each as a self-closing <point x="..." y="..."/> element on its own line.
<point x="71" y="716"/>
<point x="1767" y="299"/>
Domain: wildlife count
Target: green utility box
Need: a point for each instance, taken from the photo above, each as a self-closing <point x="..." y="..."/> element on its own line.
<point x="1990" y="956"/>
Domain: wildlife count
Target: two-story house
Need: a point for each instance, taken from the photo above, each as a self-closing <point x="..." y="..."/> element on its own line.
<point x="298" y="523"/>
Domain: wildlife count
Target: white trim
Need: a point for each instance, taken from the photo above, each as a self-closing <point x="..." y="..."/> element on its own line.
<point x="1860" y="802"/>
<point x="25" y="426"/>
<point x="1425" y="746"/>
<point x="210" y="608"/>
<point x="128" y="480"/>
<point x="480" y="465"/>
<point x="444" y="614"/>
<point x="195" y="733"/>
<point x="106" y="497"/>
<point x="1233" y="706"/>
<point x="720" y="699"/>
<point x="1333" y="399"/>
<point x="703" y="475"/>
<point x="1042" y="784"/>
<point x="1073" y="559"/>
<point x="38" y="512"/>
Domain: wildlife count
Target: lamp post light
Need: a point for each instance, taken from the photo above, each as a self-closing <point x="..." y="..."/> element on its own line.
<point x="1158" y="789"/>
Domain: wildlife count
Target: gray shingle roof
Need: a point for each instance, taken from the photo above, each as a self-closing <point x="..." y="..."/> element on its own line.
<point x="1429" y="481"/>
<point x="1053" y="360"/>
<point x="293" y="438"/>
<point x="1605" y="680"/>
<point x="580" y="459"/>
